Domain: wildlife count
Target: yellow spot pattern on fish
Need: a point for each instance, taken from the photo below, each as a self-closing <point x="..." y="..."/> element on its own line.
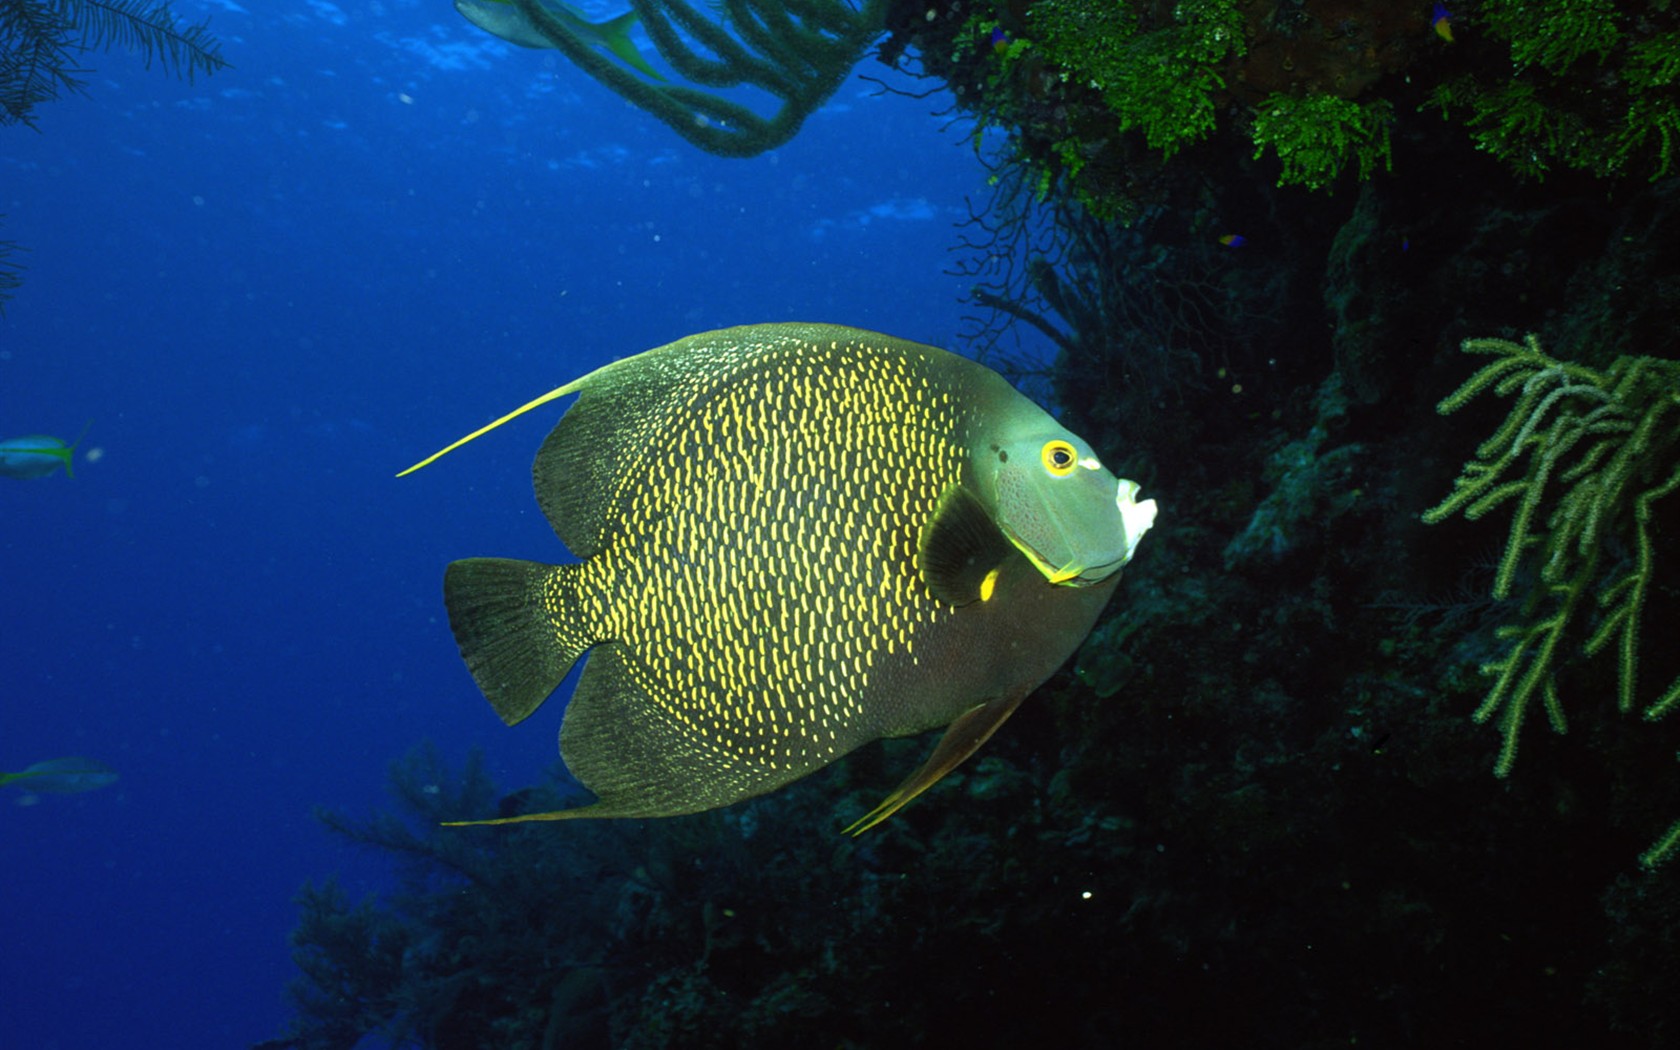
<point x="752" y="605"/>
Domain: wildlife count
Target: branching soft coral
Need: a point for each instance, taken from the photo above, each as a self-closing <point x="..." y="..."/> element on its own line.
<point x="1584" y="456"/>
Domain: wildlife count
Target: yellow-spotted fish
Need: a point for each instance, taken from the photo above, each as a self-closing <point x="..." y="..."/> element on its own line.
<point x="796" y="539"/>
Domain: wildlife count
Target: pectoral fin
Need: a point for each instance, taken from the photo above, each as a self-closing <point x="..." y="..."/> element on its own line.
<point x="960" y="549"/>
<point x="964" y="736"/>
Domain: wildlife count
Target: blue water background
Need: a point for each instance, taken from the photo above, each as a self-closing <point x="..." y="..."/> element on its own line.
<point x="269" y="291"/>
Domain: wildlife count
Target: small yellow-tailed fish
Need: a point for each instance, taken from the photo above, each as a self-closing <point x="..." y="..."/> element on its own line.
<point x="501" y="18"/>
<point x="38" y="456"/>
<point x="63" y="776"/>
<point x="796" y="539"/>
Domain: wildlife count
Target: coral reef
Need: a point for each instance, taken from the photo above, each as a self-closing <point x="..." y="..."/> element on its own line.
<point x="1162" y="80"/>
<point x="1103" y="96"/>
<point x="1537" y="119"/>
<point x="1256" y="811"/>
<point x="1315" y="136"/>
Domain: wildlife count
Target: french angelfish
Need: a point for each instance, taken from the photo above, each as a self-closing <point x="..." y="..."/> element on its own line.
<point x="502" y="19"/>
<point x="796" y="539"/>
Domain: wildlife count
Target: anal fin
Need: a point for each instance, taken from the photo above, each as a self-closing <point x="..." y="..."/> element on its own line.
<point x="523" y="818"/>
<point x="962" y="738"/>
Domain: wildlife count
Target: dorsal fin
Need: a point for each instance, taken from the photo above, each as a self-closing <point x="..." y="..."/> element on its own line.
<point x="553" y="395"/>
<point x="592" y="453"/>
<point x="588" y="465"/>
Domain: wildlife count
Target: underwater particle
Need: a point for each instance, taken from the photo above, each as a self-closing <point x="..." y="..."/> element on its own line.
<point x="797" y="539"/>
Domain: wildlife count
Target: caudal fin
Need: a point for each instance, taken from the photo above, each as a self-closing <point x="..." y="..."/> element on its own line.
<point x="615" y="36"/>
<point x="518" y="628"/>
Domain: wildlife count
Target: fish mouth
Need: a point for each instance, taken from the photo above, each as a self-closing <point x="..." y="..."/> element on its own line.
<point x="1135" y="519"/>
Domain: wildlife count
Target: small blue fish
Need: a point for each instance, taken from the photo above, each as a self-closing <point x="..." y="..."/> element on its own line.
<point x="1233" y="240"/>
<point x="1441" y="19"/>
<point x="37" y="456"/>
<point x="1000" y="40"/>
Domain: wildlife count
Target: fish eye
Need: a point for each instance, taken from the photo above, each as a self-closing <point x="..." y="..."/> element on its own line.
<point x="1059" y="458"/>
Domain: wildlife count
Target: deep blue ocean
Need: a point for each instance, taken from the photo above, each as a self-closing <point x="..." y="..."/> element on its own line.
<point x="269" y="290"/>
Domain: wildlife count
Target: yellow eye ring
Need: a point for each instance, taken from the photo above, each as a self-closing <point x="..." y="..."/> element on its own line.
<point x="1059" y="458"/>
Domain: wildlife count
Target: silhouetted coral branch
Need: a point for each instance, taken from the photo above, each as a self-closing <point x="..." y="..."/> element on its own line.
<point x="797" y="51"/>
<point x="40" y="41"/>
<point x="149" y="28"/>
<point x="9" y="271"/>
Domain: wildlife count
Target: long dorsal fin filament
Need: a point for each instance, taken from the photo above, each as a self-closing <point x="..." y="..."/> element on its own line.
<point x="553" y="395"/>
